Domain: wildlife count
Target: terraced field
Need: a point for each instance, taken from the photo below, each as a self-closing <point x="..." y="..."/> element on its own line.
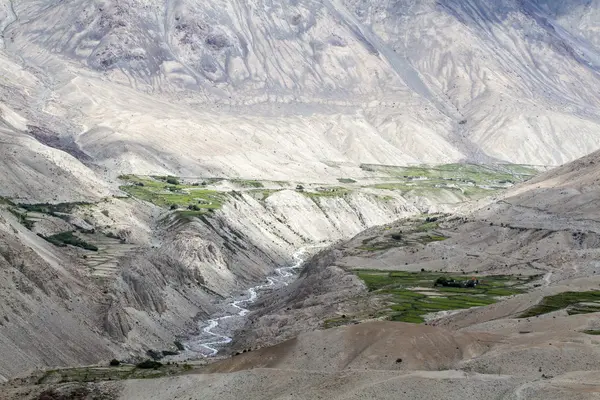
<point x="414" y="231"/>
<point x="169" y="192"/>
<point x="104" y="263"/>
<point x="573" y="302"/>
<point x="410" y="296"/>
<point x="457" y="181"/>
<point x="469" y="180"/>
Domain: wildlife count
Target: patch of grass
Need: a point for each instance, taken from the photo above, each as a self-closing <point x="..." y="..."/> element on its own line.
<point x="52" y="209"/>
<point x="335" y="191"/>
<point x="467" y="180"/>
<point x="22" y="217"/>
<point x="475" y="173"/>
<point x="427" y="226"/>
<point x="346" y="180"/>
<point x="262" y="194"/>
<point x="592" y="331"/>
<point x="5" y="201"/>
<point x="67" y="238"/>
<point x="430" y="238"/>
<point x="409" y="305"/>
<point x="248" y="183"/>
<point x="108" y="373"/>
<point x="164" y="194"/>
<point x="574" y="302"/>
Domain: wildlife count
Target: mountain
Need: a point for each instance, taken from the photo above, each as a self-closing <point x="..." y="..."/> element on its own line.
<point x="233" y="89"/>
<point x="163" y="163"/>
<point x="322" y="335"/>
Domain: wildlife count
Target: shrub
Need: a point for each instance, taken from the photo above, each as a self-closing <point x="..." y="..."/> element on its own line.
<point x="179" y="345"/>
<point x="149" y="364"/>
<point x="397" y="236"/>
<point x="172" y="181"/>
<point x="173" y="206"/>
<point x="114" y="362"/>
<point x="154" y="354"/>
<point x="64" y="238"/>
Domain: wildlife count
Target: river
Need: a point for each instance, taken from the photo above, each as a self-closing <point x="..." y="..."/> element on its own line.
<point x="215" y="333"/>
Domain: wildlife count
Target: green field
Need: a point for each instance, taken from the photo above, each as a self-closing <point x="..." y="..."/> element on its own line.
<point x="475" y="173"/>
<point x="592" y="331"/>
<point x="98" y="374"/>
<point x="404" y="304"/>
<point x="332" y="191"/>
<point x="160" y="192"/>
<point x="247" y="183"/>
<point x="468" y="180"/>
<point x="574" y="302"/>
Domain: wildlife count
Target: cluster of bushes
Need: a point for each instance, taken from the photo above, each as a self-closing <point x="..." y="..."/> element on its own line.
<point x="149" y="364"/>
<point x="171" y="180"/>
<point x="47" y="208"/>
<point x="64" y="238"/>
<point x="396" y="236"/>
<point x="23" y="220"/>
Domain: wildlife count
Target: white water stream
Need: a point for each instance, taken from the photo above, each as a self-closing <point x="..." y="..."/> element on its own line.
<point x="208" y="343"/>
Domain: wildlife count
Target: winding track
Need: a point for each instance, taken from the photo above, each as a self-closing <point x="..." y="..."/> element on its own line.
<point x="282" y="277"/>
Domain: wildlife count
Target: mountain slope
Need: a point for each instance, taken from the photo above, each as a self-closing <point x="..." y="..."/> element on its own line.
<point x="237" y="88"/>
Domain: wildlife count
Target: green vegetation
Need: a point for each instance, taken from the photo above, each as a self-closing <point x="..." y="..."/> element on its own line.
<point x="262" y="194"/>
<point x="163" y="193"/>
<point x="248" y="183"/>
<point x="408" y="304"/>
<point x="475" y="173"/>
<point x="149" y="364"/>
<point x="346" y="180"/>
<point x="22" y="211"/>
<point x="416" y="231"/>
<point x="339" y="321"/>
<point x="468" y="180"/>
<point x="427" y="226"/>
<point x="111" y="372"/>
<point x="22" y="217"/>
<point x="574" y="302"/>
<point x="64" y="238"/>
<point x="52" y="209"/>
<point x="334" y="191"/>
<point x="179" y="345"/>
<point x="5" y="201"/>
<point x="592" y="331"/>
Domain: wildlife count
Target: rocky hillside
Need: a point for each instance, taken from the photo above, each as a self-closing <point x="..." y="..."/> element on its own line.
<point x="153" y="270"/>
<point x="543" y="233"/>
